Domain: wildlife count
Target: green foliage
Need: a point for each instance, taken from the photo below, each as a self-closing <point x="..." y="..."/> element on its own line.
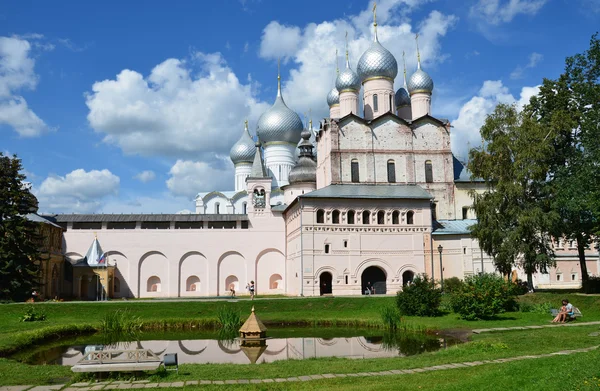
<point x="452" y="284"/>
<point x="540" y="308"/>
<point x="19" y="239"/>
<point x="482" y="297"/>
<point x="591" y="285"/>
<point x="229" y="319"/>
<point x="390" y="317"/>
<point x="421" y="298"/>
<point x="31" y="315"/>
<point x="120" y="324"/>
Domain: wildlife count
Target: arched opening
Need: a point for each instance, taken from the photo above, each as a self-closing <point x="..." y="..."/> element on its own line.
<point x="395" y="217"/>
<point x="366" y="217"/>
<point x="350" y="216"/>
<point x="325" y="282"/>
<point x="320" y="216"/>
<point x="232" y="282"/>
<point x="217" y="208"/>
<point x="275" y="281"/>
<point x="407" y="277"/>
<point x="192" y="284"/>
<point x="375" y="103"/>
<point x="381" y="217"/>
<point x="153" y="284"/>
<point x="245" y="208"/>
<point x="335" y="217"/>
<point x="410" y="217"/>
<point x="391" y="171"/>
<point x="428" y="172"/>
<point x="116" y="285"/>
<point x="373" y="279"/>
<point x="354" y="171"/>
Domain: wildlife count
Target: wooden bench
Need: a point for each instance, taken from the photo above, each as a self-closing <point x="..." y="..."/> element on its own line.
<point x="118" y="361"/>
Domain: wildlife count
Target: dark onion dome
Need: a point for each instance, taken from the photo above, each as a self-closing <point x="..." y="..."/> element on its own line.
<point x="279" y="123"/>
<point x="305" y="170"/>
<point x="333" y="98"/>
<point x="243" y="150"/>
<point x="377" y="63"/>
<point x="420" y="81"/>
<point x="402" y="98"/>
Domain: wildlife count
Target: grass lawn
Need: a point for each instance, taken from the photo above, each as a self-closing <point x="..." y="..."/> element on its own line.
<point x="78" y="317"/>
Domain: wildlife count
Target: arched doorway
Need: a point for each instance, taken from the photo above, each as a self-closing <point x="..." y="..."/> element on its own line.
<point x="325" y="280"/>
<point x="374" y="278"/>
<point x="407" y="277"/>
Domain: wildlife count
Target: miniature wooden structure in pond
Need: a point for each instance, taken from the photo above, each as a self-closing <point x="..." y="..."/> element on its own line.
<point x="253" y="328"/>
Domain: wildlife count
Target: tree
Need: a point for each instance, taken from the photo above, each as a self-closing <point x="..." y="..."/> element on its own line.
<point x="513" y="215"/>
<point x="568" y="108"/>
<point x="19" y="254"/>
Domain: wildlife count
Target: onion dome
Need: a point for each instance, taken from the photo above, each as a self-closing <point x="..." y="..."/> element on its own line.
<point x="243" y="150"/>
<point x="420" y="81"/>
<point x="402" y="97"/>
<point x="347" y="80"/>
<point x="333" y="98"/>
<point x="377" y="63"/>
<point x="305" y="169"/>
<point x="279" y="123"/>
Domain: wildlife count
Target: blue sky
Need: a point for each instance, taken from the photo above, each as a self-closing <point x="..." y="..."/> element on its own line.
<point x="132" y="107"/>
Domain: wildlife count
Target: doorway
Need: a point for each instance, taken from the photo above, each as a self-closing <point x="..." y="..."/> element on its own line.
<point x="325" y="282"/>
<point x="374" y="278"/>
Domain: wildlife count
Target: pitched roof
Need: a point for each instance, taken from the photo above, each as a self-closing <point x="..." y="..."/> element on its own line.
<point x="253" y="324"/>
<point x="82" y="218"/>
<point x="462" y="173"/>
<point x="258" y="167"/>
<point x="370" y="191"/>
<point x="39" y="219"/>
<point x="452" y="227"/>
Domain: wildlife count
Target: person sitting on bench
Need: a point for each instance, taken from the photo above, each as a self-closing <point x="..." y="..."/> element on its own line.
<point x="566" y="312"/>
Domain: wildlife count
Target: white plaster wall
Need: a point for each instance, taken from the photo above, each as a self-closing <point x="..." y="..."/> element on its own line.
<point x="154" y="264"/>
<point x="420" y="104"/>
<point x="384" y="89"/>
<point x="268" y="265"/>
<point x="349" y="103"/>
<point x="279" y="160"/>
<point x="242" y="171"/>
<point x="211" y="205"/>
<point x="193" y="264"/>
<point x="232" y="264"/>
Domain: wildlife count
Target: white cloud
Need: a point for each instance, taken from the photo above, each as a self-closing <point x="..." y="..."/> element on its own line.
<point x="79" y="191"/>
<point x="174" y="111"/>
<point x="497" y="12"/>
<point x="280" y="41"/>
<point x="191" y="177"/>
<point x="472" y="115"/>
<point x="17" y="73"/>
<point x="145" y="176"/>
<point x="534" y="60"/>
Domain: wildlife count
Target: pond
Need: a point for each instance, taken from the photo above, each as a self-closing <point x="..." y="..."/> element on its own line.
<point x="283" y="344"/>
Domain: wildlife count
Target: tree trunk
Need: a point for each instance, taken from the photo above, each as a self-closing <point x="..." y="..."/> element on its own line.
<point x="581" y="254"/>
<point x="530" y="281"/>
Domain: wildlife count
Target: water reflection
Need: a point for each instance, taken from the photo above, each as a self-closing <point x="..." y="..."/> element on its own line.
<point x="235" y="351"/>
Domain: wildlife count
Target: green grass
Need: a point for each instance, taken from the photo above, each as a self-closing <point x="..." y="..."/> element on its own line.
<point x="77" y="318"/>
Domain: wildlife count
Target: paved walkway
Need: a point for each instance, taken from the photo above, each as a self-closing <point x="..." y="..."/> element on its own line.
<point x="118" y="385"/>
<point x="575" y="324"/>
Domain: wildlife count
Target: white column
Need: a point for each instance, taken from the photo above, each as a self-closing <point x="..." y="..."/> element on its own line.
<point x="421" y="104"/>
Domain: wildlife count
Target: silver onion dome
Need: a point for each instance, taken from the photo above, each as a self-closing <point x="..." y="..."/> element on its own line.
<point x="402" y="98"/>
<point x="333" y="98"/>
<point x="420" y="81"/>
<point x="347" y="80"/>
<point x="305" y="169"/>
<point x="279" y="123"/>
<point x="377" y="62"/>
<point x="243" y="150"/>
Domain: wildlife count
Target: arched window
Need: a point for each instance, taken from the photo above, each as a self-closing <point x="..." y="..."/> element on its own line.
<point x="381" y="217"/>
<point x="395" y="217"/>
<point x="391" y="171"/>
<point x="391" y="104"/>
<point x="433" y="211"/>
<point x="217" y="207"/>
<point x="428" y="172"/>
<point x="410" y="217"/>
<point x="350" y="216"/>
<point x="375" y="103"/>
<point x="320" y="216"/>
<point x="354" y="171"/>
<point x="275" y="281"/>
<point x="335" y="217"/>
<point x="192" y="284"/>
<point x="245" y="208"/>
<point x="366" y="216"/>
<point x="465" y="212"/>
<point x="153" y="284"/>
<point x="117" y="285"/>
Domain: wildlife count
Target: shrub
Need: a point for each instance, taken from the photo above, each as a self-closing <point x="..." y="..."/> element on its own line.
<point x="421" y="298"/>
<point x="119" y="324"/>
<point x="452" y="284"/>
<point x="482" y="297"/>
<point x="592" y="285"/>
<point x="390" y="317"/>
<point x="229" y="319"/>
<point x="542" y="308"/>
<point x="31" y="315"/>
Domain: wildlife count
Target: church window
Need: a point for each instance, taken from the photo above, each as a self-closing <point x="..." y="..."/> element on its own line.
<point x="558" y="276"/>
<point x="335" y="217"/>
<point x="345" y="243"/>
<point x="381" y="217"/>
<point x="153" y="284"/>
<point x="350" y="217"/>
<point x="375" y="103"/>
<point x="320" y="216"/>
<point x="366" y="216"/>
<point x="346" y="280"/>
<point x="391" y="171"/>
<point x="465" y="212"/>
<point x="434" y="211"/>
<point x="244" y="208"/>
<point x="326" y="249"/>
<point x="391" y="104"/>
<point x="217" y="207"/>
<point x="410" y="217"/>
<point x="395" y="217"/>
<point x="354" y="171"/>
<point x="428" y="172"/>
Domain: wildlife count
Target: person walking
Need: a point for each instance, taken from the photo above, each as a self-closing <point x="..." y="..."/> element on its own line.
<point x="251" y="289"/>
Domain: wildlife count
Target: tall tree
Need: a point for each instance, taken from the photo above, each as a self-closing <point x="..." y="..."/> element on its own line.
<point x="19" y="241"/>
<point x="568" y="108"/>
<point x="512" y="214"/>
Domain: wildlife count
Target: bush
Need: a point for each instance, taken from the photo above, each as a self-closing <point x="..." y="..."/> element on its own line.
<point x="482" y="297"/>
<point x="390" y="317"/>
<point x="31" y="315"/>
<point x="452" y="284"/>
<point x="229" y="319"/>
<point x="420" y="298"/>
<point x="592" y="285"/>
<point x="519" y="288"/>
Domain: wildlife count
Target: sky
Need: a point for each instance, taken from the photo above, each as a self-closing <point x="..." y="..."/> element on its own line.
<point x="132" y="107"/>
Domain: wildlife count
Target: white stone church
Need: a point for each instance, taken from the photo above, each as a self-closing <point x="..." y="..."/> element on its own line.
<point x="381" y="200"/>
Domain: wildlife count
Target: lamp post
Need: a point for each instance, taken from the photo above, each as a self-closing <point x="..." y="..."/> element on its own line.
<point x="440" y="249"/>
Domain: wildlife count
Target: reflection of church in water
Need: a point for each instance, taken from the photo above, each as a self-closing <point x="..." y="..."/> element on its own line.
<point x="381" y="199"/>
